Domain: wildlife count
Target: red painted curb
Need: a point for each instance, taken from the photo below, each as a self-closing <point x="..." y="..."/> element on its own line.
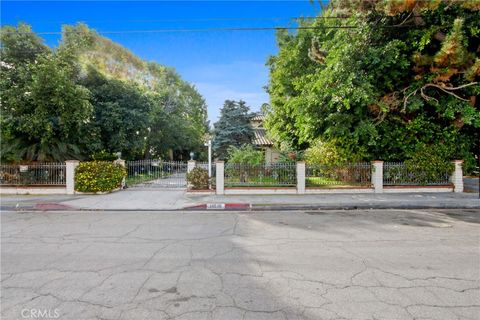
<point x="51" y="206"/>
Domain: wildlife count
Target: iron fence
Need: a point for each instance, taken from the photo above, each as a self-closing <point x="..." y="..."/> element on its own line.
<point x="353" y="174"/>
<point x="47" y="173"/>
<point x="156" y="173"/>
<point x="204" y="165"/>
<point x="262" y="175"/>
<point x="399" y="174"/>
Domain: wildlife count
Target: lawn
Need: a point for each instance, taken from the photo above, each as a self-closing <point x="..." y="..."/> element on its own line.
<point x="325" y="182"/>
<point x="258" y="182"/>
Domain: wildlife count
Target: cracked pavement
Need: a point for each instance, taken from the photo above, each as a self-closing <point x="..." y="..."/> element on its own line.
<point x="377" y="264"/>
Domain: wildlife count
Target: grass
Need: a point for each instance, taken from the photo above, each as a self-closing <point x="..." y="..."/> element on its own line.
<point x="256" y="182"/>
<point x="324" y="182"/>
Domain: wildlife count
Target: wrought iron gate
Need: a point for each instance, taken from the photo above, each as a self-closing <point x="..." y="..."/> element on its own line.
<point x="156" y="173"/>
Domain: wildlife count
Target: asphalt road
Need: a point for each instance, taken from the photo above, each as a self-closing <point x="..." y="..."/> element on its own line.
<point x="398" y="264"/>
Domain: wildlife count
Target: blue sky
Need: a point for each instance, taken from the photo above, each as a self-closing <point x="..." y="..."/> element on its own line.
<point x="222" y="65"/>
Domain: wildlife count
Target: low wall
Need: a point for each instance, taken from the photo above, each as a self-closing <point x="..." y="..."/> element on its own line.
<point x="338" y="190"/>
<point x="253" y="190"/>
<point x="33" y="190"/>
<point x="413" y="189"/>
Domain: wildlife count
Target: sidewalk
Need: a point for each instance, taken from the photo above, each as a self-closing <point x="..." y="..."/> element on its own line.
<point x="347" y="201"/>
<point x="168" y="199"/>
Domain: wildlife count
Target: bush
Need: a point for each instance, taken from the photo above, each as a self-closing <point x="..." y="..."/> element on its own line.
<point x="332" y="153"/>
<point x="430" y="163"/>
<point x="98" y="176"/>
<point x="198" y="178"/>
<point x="246" y="154"/>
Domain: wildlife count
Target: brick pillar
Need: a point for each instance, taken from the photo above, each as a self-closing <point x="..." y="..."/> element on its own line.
<point x="70" y="166"/>
<point x="377" y="176"/>
<point x="457" y="176"/>
<point x="191" y="165"/>
<point x="301" y="177"/>
<point x="220" y="177"/>
<point x="123" y="164"/>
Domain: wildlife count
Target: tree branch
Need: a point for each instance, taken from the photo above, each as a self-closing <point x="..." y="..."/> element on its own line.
<point x="445" y="89"/>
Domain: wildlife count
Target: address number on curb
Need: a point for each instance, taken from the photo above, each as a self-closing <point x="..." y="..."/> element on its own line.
<point x="215" y="206"/>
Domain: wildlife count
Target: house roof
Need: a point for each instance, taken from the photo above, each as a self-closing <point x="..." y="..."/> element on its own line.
<point x="260" y="138"/>
<point x="258" y="117"/>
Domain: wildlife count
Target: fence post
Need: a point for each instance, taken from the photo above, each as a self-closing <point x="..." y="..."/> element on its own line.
<point x="191" y="165"/>
<point x="457" y="176"/>
<point x="70" y="166"/>
<point x="123" y="164"/>
<point x="220" y="177"/>
<point x="377" y="176"/>
<point x="301" y="177"/>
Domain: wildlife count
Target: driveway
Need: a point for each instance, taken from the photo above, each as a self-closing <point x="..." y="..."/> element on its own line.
<point x="272" y="265"/>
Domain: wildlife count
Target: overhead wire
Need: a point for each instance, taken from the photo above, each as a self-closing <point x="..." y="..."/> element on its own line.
<point x="219" y="29"/>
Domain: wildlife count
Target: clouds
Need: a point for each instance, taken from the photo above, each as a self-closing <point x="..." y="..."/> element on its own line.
<point x="236" y="80"/>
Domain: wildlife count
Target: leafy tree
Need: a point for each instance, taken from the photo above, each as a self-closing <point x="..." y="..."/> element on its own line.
<point x="121" y="115"/>
<point x="233" y="128"/>
<point x="246" y="154"/>
<point x="43" y="109"/>
<point x="177" y="116"/>
<point x="91" y="95"/>
<point x="405" y="77"/>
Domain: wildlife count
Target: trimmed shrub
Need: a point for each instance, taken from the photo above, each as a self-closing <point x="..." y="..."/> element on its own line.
<point x="98" y="176"/>
<point x="198" y="178"/>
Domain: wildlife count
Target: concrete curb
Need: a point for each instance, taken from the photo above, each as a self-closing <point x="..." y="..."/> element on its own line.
<point x="361" y="207"/>
<point x="217" y="207"/>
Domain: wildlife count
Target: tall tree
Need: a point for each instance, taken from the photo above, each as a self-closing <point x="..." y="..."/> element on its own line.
<point x="121" y="112"/>
<point x="233" y="128"/>
<point x="43" y="109"/>
<point x="405" y="77"/>
<point x="89" y="95"/>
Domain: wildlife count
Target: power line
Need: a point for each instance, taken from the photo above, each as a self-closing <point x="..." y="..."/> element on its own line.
<point x="220" y="29"/>
<point x="197" y="20"/>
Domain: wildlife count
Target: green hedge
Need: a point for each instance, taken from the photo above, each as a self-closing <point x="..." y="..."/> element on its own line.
<point x="98" y="176"/>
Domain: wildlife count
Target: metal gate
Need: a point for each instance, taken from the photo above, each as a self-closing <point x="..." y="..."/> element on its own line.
<point x="156" y="173"/>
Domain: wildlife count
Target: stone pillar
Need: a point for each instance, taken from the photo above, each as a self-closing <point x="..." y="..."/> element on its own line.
<point x="457" y="176"/>
<point x="123" y="164"/>
<point x="220" y="177"/>
<point x="377" y="176"/>
<point x="191" y="165"/>
<point x="301" y="177"/>
<point x="70" y="166"/>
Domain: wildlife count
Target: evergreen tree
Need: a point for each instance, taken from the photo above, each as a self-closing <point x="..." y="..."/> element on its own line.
<point x="233" y="128"/>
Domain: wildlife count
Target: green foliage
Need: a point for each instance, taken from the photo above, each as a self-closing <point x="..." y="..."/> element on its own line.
<point x="233" y="128"/>
<point x="91" y="94"/>
<point x="377" y="92"/>
<point x="198" y="178"/>
<point x="331" y="153"/>
<point x="43" y="110"/>
<point x="245" y="154"/>
<point x="121" y="115"/>
<point x="430" y="163"/>
<point x="98" y="176"/>
<point x="103" y="156"/>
